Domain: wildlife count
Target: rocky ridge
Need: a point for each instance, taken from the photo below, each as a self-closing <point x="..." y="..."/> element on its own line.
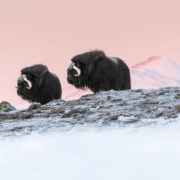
<point x="111" y="108"/>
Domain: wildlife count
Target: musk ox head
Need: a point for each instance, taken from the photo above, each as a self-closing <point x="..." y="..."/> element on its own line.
<point x="98" y="72"/>
<point x="37" y="84"/>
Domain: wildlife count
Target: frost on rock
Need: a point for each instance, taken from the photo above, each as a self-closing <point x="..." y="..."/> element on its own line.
<point x="110" y="108"/>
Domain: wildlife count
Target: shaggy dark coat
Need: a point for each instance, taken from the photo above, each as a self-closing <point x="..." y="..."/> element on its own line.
<point x="45" y="85"/>
<point x="99" y="72"/>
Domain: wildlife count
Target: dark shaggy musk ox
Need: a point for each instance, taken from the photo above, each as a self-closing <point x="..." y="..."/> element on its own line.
<point x="37" y="84"/>
<point x="98" y="72"/>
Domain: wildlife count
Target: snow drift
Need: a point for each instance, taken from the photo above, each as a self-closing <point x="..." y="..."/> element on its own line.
<point x="141" y="154"/>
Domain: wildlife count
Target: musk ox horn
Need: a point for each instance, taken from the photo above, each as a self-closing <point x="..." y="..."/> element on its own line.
<point x="24" y="78"/>
<point x="77" y="70"/>
<point x="73" y="66"/>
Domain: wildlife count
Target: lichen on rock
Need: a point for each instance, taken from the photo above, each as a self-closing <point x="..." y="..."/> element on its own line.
<point x="6" y="107"/>
<point x="34" y="106"/>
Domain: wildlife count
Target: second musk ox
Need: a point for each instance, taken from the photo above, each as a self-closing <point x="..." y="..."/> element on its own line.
<point x="98" y="72"/>
<point x="37" y="84"/>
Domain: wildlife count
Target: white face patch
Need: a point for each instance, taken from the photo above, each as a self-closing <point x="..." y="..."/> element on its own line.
<point x="113" y="59"/>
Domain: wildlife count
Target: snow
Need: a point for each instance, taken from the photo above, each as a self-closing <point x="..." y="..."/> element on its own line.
<point x="113" y="153"/>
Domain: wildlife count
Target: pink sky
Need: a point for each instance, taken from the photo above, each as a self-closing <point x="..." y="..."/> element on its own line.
<point x="52" y="31"/>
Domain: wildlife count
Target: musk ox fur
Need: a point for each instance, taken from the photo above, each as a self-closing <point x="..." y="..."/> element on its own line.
<point x="37" y="84"/>
<point x="98" y="72"/>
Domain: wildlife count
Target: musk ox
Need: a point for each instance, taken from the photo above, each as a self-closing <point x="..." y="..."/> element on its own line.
<point x="98" y="72"/>
<point x="37" y="84"/>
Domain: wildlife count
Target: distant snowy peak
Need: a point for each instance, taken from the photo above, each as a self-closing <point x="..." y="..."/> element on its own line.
<point x="148" y="61"/>
<point x="155" y="72"/>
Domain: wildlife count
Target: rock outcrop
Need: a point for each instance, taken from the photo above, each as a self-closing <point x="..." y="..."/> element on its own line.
<point x="110" y="108"/>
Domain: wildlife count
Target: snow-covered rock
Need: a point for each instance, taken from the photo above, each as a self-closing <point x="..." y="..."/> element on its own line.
<point x="118" y="108"/>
